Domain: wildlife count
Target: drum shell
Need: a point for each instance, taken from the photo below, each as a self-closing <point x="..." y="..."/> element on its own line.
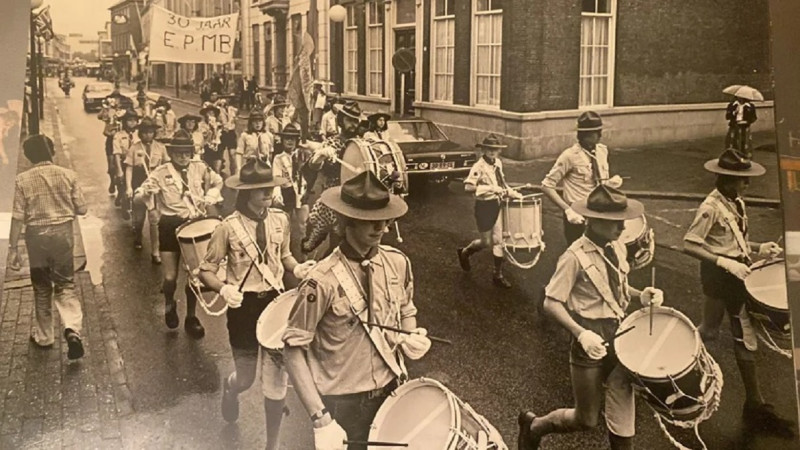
<point x="644" y="242"/>
<point x="776" y="321"/>
<point x="522" y="223"/>
<point x="273" y="320"/>
<point x="193" y="249"/>
<point x="364" y="155"/>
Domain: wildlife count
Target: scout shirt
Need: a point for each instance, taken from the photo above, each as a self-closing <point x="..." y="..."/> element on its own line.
<point x="274" y="125"/>
<point x="199" y="140"/>
<point x="710" y="230"/>
<point x="255" y="145"/>
<point x="574" y="168"/>
<point x="165" y="186"/>
<point x="571" y="285"/>
<point x="226" y="243"/>
<point x="227" y="116"/>
<point x="484" y="174"/>
<point x="282" y="167"/>
<point x="123" y="140"/>
<point x="328" y="126"/>
<point x="340" y="354"/>
<point x="139" y="156"/>
<point x="168" y="123"/>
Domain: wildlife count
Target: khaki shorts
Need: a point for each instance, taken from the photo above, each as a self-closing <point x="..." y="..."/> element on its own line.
<point x="274" y="377"/>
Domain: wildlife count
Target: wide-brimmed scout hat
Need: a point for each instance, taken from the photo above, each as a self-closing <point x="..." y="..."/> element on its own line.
<point x="148" y="124"/>
<point x="608" y="203"/>
<point x="279" y="100"/>
<point x="590" y="121"/>
<point x="375" y="116"/>
<point x="731" y="162"/>
<point x="255" y="114"/>
<point x="255" y="174"/>
<point x="189" y="116"/>
<point x="162" y="101"/>
<point x="290" y="131"/>
<point x="491" y="142"/>
<point x="351" y="109"/>
<point x="364" y="197"/>
<point x="181" y="142"/>
<point x="130" y="114"/>
<point x="208" y="106"/>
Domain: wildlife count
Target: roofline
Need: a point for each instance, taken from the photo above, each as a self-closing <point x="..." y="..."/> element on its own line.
<point x="114" y="6"/>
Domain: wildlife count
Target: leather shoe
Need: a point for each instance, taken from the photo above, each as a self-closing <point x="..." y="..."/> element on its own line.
<point x="230" y="402"/>
<point x="193" y="327"/>
<point x="171" y="316"/>
<point x="501" y="281"/>
<point x="463" y="260"/>
<point x="526" y="439"/>
<point x="763" y="418"/>
<point x="33" y="340"/>
<point x="74" y="344"/>
<point x="156" y="259"/>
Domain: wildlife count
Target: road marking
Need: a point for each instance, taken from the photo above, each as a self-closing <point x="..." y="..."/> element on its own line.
<point x="666" y="221"/>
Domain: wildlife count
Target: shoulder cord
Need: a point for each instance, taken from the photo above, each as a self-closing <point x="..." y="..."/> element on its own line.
<point x="263" y="253"/>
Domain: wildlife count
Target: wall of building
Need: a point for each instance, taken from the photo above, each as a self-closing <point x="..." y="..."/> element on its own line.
<point x="677" y="52"/>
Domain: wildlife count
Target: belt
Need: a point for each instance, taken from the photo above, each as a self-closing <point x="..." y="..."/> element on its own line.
<point x="261" y="294"/>
<point x="368" y="395"/>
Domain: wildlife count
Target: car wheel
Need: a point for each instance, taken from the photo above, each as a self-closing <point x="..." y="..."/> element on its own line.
<point x="86" y="108"/>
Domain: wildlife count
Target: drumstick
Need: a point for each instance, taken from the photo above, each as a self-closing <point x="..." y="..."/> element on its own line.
<point x="397" y="230"/>
<point x="349" y="166"/>
<point x="376" y="443"/>
<point x="626" y="330"/>
<point x="241" y="285"/>
<point x="400" y="330"/>
<point x="653" y="284"/>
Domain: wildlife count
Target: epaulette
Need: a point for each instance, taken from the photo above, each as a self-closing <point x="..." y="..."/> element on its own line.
<point x="161" y="167"/>
<point x="324" y="266"/>
<point x="278" y="211"/>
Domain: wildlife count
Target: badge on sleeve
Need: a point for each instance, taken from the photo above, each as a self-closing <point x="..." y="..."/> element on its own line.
<point x="311" y="297"/>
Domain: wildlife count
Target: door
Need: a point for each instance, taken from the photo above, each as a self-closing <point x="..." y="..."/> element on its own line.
<point x="404" y="39"/>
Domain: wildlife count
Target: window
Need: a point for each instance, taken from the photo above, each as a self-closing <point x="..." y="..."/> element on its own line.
<point x="443" y="50"/>
<point x="414" y="131"/>
<point x="406" y="12"/>
<point x="375" y="13"/>
<point x="487" y="51"/>
<point x="268" y="53"/>
<point x="351" y="52"/>
<point x="256" y="54"/>
<point x="597" y="30"/>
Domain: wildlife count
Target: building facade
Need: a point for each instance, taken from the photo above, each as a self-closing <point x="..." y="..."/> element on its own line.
<point x="126" y="38"/>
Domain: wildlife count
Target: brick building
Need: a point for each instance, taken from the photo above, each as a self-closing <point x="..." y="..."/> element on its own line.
<point x="126" y="37"/>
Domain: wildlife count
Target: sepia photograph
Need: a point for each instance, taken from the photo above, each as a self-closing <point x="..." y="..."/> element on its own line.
<point x="423" y="224"/>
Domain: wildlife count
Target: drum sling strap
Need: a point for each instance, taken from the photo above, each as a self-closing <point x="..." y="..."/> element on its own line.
<point x="376" y="336"/>
<point x="596" y="277"/>
<point x="252" y="252"/>
<point x="730" y="220"/>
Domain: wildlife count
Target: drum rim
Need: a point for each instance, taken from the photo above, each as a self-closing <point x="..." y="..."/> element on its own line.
<point x="776" y="262"/>
<point x="639" y="236"/>
<point x="410" y="385"/>
<point x="262" y="317"/>
<point x="190" y="222"/>
<point x="697" y="346"/>
<point x="520" y="202"/>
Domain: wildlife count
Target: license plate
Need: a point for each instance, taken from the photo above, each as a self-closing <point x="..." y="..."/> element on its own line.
<point x="443" y="165"/>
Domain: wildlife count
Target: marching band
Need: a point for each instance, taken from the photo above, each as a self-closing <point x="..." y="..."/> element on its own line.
<point x="351" y="322"/>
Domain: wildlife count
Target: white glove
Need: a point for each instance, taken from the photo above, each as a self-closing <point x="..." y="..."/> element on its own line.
<point x="513" y="194"/>
<point x="614" y="182"/>
<point x="417" y="344"/>
<point x="573" y="217"/>
<point x="736" y="268"/>
<point x="652" y="296"/>
<point x="592" y="344"/>
<point x="231" y="295"/>
<point x="301" y="270"/>
<point x="770" y="249"/>
<point x="330" y="437"/>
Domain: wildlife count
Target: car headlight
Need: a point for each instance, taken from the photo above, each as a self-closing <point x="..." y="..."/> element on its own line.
<point x="423" y="165"/>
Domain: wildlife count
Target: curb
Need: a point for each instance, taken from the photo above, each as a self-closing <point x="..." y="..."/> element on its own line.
<point x="176" y="99"/>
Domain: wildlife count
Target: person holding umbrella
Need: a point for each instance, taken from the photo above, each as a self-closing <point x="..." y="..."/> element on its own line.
<point x="740" y="114"/>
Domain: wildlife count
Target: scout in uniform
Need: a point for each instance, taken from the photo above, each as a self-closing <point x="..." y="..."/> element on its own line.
<point x="182" y="190"/>
<point x="110" y="114"/>
<point x="255" y="142"/>
<point x="487" y="181"/>
<point x="282" y="166"/>
<point x="341" y="365"/>
<point x="378" y="123"/>
<point x="580" y="169"/>
<point x="123" y="140"/>
<point x="190" y="123"/>
<point x="328" y="126"/>
<point x="142" y="158"/>
<point x="321" y="219"/>
<point x="227" y="117"/>
<point x="211" y="129"/>
<point x="275" y="116"/>
<point x="588" y="296"/>
<point x="255" y="241"/>
<point x="165" y="117"/>
<point x="719" y="238"/>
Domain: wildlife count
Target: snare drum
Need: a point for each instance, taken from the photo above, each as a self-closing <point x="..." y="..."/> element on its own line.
<point x="640" y="241"/>
<point x="383" y="158"/>
<point x="272" y="321"/>
<point x="428" y="416"/>
<point x="193" y="238"/>
<point x="768" y="301"/>
<point x="522" y="229"/>
<point x="671" y="368"/>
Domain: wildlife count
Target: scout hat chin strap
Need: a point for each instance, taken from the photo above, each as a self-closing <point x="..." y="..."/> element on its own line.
<point x="375" y="335"/>
<point x="252" y="253"/>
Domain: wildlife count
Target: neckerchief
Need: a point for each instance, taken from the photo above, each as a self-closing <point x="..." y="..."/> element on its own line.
<point x="364" y="262"/>
<point x="261" y="229"/>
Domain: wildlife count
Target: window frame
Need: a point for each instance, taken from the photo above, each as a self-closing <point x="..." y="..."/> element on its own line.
<point x="350" y="30"/>
<point x="474" y="75"/>
<point x="446" y="20"/>
<point x="377" y="7"/>
<point x="611" y="18"/>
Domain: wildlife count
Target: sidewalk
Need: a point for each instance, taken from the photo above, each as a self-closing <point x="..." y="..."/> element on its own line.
<point x="46" y="400"/>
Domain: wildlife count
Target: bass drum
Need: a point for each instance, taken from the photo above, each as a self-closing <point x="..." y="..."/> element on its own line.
<point x="383" y="158"/>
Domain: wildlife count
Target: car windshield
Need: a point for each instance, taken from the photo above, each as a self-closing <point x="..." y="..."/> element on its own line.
<point x="99" y="88"/>
<point x="414" y="130"/>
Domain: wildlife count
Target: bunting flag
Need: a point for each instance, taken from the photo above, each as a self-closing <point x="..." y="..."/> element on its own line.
<point x="43" y="24"/>
<point x="301" y="83"/>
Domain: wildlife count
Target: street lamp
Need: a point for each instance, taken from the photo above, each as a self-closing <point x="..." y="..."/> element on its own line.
<point x="33" y="79"/>
<point x="337" y="13"/>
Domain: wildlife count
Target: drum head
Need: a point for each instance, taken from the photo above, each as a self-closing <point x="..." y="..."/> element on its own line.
<point x="419" y="413"/>
<point x="633" y="229"/>
<point x="272" y="322"/>
<point x="672" y="348"/>
<point x="768" y="286"/>
<point x="198" y="228"/>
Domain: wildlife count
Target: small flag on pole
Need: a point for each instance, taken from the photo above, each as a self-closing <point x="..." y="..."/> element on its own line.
<point x="44" y="24"/>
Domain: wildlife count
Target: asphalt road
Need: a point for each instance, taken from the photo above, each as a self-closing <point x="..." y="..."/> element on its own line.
<point x="505" y="357"/>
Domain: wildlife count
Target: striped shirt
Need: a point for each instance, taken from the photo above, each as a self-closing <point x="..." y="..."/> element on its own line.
<point x="47" y="194"/>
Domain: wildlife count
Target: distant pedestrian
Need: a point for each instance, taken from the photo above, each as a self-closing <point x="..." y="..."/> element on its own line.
<point x="47" y="199"/>
<point x="740" y="114"/>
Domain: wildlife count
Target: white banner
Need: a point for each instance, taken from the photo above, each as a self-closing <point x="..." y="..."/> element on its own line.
<point x="205" y="40"/>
